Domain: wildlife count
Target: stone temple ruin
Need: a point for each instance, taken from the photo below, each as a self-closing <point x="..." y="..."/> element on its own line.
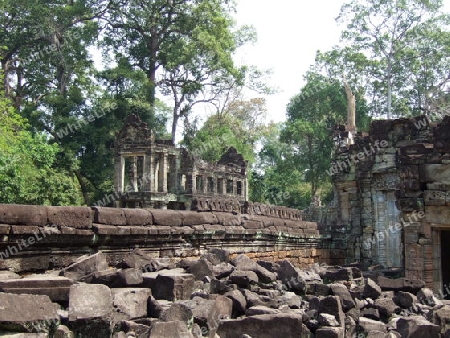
<point x="153" y="173"/>
<point x="392" y="198"/>
<point x="136" y="269"/>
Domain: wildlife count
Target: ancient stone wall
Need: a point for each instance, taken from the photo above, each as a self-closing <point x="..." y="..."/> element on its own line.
<point x="391" y="197"/>
<point x="35" y="238"/>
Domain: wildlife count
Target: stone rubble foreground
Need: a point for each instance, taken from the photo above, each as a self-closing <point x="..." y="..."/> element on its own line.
<point x="216" y="297"/>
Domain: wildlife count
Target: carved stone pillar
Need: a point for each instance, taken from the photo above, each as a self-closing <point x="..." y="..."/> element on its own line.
<point x="119" y="173"/>
<point x="134" y="173"/>
<point x="194" y="183"/>
<point x="146" y="175"/>
<point x="152" y="173"/>
<point x="164" y="173"/>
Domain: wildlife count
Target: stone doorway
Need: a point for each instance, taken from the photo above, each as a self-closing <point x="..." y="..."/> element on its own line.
<point x="445" y="261"/>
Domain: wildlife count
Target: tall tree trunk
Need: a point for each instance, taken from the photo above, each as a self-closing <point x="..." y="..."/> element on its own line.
<point x="351" y="108"/>
<point x="174" y="124"/>
<point x="82" y="186"/>
<point x="389" y="93"/>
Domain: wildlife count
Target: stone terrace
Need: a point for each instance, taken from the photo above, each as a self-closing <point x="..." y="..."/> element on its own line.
<point x="37" y="238"/>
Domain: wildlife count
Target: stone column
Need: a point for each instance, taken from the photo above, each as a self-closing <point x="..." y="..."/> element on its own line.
<point x="164" y="173"/>
<point x="214" y="187"/>
<point x="205" y="184"/>
<point x="151" y="173"/>
<point x="134" y="173"/>
<point x="156" y="171"/>
<point x="119" y="173"/>
<point x="224" y="185"/>
<point x="146" y="175"/>
<point x="245" y="187"/>
<point x="194" y="183"/>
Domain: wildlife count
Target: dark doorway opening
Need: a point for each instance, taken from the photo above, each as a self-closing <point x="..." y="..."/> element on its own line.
<point x="445" y="262"/>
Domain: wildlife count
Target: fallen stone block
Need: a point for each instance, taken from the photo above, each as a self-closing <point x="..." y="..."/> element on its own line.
<point x="28" y="313"/>
<point x="317" y="289"/>
<point x="222" y="270"/>
<point x="332" y="305"/>
<point x="386" y="308"/>
<point x="427" y="297"/>
<point x="260" y="310"/>
<point x="244" y="263"/>
<point x="128" y="277"/>
<point x="139" y="259"/>
<point x="239" y="302"/>
<point x="284" y="325"/>
<point x="243" y="278"/>
<point x="366" y="325"/>
<point x="338" y="274"/>
<point x="90" y="301"/>
<point x="55" y="287"/>
<point x="201" y="269"/>
<point x="329" y="332"/>
<point x="63" y="332"/>
<point x="371" y="289"/>
<point x="133" y="329"/>
<point x="404" y="299"/>
<point x="371" y="313"/>
<point x="290" y="299"/>
<point x="174" y="329"/>
<point x="173" y="285"/>
<point x="252" y="298"/>
<point x="344" y="295"/>
<point x="106" y="277"/>
<point x="155" y="308"/>
<point x="83" y="268"/>
<point x="130" y="303"/>
<point x="400" y="284"/>
<point x="417" y="327"/>
<point x="441" y="317"/>
<point x="90" y="310"/>
<point x="178" y="311"/>
<point x="290" y="277"/>
<point x="326" y="319"/>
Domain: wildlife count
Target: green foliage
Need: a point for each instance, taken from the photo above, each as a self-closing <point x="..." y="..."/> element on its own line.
<point x="295" y="156"/>
<point x="27" y="165"/>
<point x="190" y="43"/>
<point x="275" y="179"/>
<point x="239" y="126"/>
<point x="396" y="52"/>
<point x="312" y="116"/>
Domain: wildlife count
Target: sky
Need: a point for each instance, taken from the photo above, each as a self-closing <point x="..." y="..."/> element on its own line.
<point x="289" y="34"/>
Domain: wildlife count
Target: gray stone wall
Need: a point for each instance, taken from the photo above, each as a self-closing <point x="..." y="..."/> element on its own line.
<point x="36" y="238"/>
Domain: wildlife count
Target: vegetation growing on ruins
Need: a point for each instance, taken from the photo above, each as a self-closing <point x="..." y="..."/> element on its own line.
<point x="164" y="58"/>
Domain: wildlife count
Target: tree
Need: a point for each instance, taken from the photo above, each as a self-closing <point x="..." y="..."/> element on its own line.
<point x="48" y="73"/>
<point x="388" y="49"/>
<point x="311" y="118"/>
<point x="240" y="124"/>
<point x="27" y="164"/>
<point x="184" y="47"/>
<point x="275" y="178"/>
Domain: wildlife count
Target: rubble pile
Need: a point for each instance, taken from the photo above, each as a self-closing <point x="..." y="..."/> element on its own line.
<point x="215" y="296"/>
